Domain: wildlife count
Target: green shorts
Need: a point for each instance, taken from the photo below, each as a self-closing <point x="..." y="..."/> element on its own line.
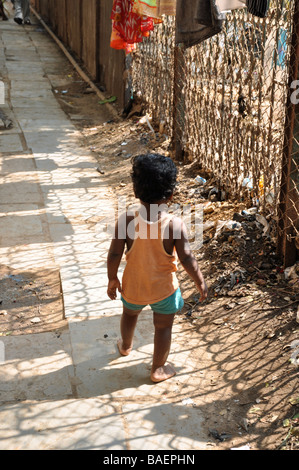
<point x="170" y="305"/>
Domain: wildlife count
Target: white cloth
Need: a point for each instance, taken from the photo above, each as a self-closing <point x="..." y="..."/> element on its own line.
<point x="228" y="5"/>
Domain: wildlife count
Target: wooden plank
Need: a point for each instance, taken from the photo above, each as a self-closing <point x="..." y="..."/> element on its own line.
<point x="44" y="10"/>
<point x="53" y="14"/>
<point x="89" y="36"/>
<point x="74" y="22"/>
<point x="60" y="6"/>
<point x="111" y="61"/>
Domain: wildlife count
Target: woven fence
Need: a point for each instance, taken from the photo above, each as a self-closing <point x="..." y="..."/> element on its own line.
<point x="224" y="103"/>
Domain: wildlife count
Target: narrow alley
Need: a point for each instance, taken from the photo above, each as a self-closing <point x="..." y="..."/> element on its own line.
<point x="67" y="388"/>
<point x="65" y="164"/>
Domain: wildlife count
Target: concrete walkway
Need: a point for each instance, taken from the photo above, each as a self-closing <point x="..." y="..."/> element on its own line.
<point x="73" y="391"/>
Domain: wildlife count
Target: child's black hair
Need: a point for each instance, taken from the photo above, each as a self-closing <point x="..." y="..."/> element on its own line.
<point x="154" y="177"/>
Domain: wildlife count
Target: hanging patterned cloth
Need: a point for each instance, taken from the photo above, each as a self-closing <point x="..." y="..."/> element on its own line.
<point x="132" y="20"/>
<point x="128" y="27"/>
<point x="146" y="7"/>
<point x="155" y="8"/>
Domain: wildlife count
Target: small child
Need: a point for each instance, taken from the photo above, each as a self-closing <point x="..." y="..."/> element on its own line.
<point x="153" y="239"/>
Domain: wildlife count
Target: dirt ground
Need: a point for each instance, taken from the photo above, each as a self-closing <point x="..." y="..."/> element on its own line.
<point x="249" y="323"/>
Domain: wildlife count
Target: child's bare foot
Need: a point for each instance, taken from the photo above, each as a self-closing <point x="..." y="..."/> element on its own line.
<point x="162" y="373"/>
<point x="123" y="352"/>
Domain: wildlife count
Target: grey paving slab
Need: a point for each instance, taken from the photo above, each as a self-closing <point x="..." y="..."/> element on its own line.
<point x="20" y="191"/>
<point x="33" y="91"/>
<point x="33" y="99"/>
<point x="22" y="56"/>
<point x="24" y="75"/>
<point x="12" y="226"/>
<point x="35" y="68"/>
<point x="10" y="143"/>
<point x="44" y="125"/>
<point x="74" y="424"/>
<point x="19" y="85"/>
<point x="36" y="367"/>
<point x="54" y="140"/>
<point x="39" y="113"/>
<point x="12" y="46"/>
<point x="103" y="372"/>
<point x="164" y="426"/>
<point x="17" y="163"/>
<point x="27" y="255"/>
<point x="16" y="208"/>
<point x="100" y="368"/>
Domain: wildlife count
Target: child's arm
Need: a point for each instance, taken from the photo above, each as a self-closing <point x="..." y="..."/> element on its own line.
<point x="187" y="258"/>
<point x="115" y="254"/>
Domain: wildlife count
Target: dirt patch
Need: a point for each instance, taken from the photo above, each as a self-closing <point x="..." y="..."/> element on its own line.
<point x="30" y="302"/>
<point x="80" y="102"/>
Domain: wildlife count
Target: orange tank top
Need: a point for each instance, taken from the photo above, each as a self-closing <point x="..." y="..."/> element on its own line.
<point x="150" y="272"/>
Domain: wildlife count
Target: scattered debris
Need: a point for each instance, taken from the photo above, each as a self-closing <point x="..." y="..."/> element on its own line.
<point x="219" y="436"/>
<point x="188" y="401"/>
<point x="35" y="320"/>
<point x="112" y="99"/>
<point x="295" y="354"/>
<point x="262" y="220"/>
<point x="200" y="180"/>
<point x="246" y="447"/>
<point x="244" y="424"/>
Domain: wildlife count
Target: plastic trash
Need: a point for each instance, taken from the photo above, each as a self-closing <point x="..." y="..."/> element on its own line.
<point x="247" y="183"/>
<point x="246" y="447"/>
<point x="261" y="220"/>
<point x="227" y="225"/>
<point x="188" y="401"/>
<point x="108" y="100"/>
<point x="291" y="272"/>
<point x="200" y="180"/>
<point x="251" y="211"/>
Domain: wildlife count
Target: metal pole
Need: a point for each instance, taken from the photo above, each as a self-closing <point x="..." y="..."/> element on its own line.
<point x="289" y="202"/>
<point x="178" y="102"/>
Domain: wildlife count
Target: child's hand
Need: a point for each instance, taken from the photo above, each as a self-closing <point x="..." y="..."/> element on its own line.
<point x="203" y="289"/>
<point x="113" y="286"/>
